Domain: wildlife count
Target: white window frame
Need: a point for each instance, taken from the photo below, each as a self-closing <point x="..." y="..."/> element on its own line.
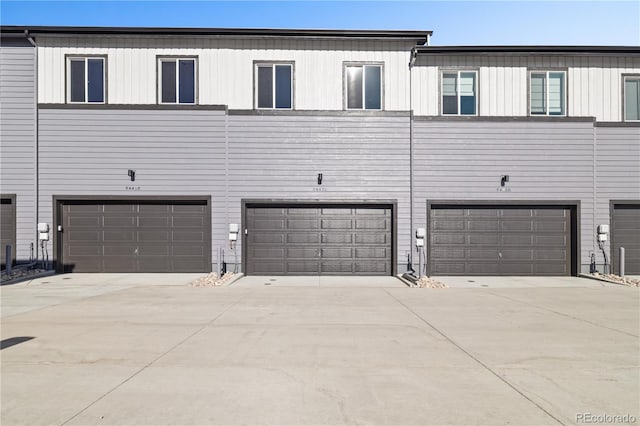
<point x="272" y="65"/>
<point x="546" y="94"/>
<point x="458" y="93"/>
<point x="175" y="59"/>
<point x="85" y="59"/>
<point x="624" y="96"/>
<point x="363" y="65"/>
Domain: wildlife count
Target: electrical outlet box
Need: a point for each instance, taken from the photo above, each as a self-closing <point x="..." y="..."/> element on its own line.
<point x="602" y="237"/>
<point x="419" y="242"/>
<point x="233" y="236"/>
<point x="43" y="236"/>
<point x="43" y="227"/>
<point x="421" y="232"/>
<point x="603" y="229"/>
<point x="234" y="228"/>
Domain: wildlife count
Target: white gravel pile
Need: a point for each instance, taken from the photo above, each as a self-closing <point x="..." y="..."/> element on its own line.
<point x="212" y="280"/>
<point x="631" y="282"/>
<point x="430" y="283"/>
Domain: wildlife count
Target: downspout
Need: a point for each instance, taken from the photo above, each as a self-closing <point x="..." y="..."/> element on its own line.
<point x="594" y="229"/>
<point x="36" y="142"/>
<point x="412" y="61"/>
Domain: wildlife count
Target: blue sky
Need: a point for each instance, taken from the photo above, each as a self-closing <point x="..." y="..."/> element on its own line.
<point x="453" y="22"/>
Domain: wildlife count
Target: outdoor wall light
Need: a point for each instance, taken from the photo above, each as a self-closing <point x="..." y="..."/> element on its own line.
<point x="319" y="178"/>
<point x="132" y="175"/>
<point x="504" y="179"/>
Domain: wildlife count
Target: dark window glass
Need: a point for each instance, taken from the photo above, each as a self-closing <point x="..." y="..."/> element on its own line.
<point x="354" y="87"/>
<point x="467" y="105"/>
<point x="168" y="81"/>
<point x="95" y="83"/>
<point x="556" y="93"/>
<point x="632" y="99"/>
<point x="538" y="93"/>
<point x="450" y="93"/>
<point x="187" y="79"/>
<point x="283" y="86"/>
<point x="467" y="93"/>
<point x="372" y="88"/>
<point x="449" y="105"/>
<point x="77" y="80"/>
<point x="265" y="87"/>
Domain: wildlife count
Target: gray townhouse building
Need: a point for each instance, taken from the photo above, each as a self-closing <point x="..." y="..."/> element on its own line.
<point x="307" y="152"/>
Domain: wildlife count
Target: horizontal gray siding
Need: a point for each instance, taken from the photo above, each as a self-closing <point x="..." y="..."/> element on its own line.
<point x="361" y="158"/>
<point x="17" y="140"/>
<point x="545" y="161"/>
<point x="230" y="158"/>
<point x="88" y="152"/>
<point x="617" y="171"/>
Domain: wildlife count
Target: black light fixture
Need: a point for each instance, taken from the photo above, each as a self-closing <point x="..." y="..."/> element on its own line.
<point x="319" y="178"/>
<point x="504" y="179"/>
<point x="132" y="175"/>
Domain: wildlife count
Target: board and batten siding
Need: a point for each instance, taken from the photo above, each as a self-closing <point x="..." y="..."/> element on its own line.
<point x="360" y="157"/>
<point x="594" y="83"/>
<point x="174" y="153"/>
<point x="225" y="67"/>
<point x="617" y="170"/>
<point x="17" y="139"/>
<point x="464" y="160"/>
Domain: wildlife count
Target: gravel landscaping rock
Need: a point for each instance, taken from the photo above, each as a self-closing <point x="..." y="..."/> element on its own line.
<point x="212" y="280"/>
<point x="631" y="282"/>
<point x="428" y="282"/>
<point x="18" y="273"/>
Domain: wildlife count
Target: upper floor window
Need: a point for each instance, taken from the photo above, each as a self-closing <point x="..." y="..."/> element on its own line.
<point x="177" y="80"/>
<point x="548" y="93"/>
<point x="363" y="84"/>
<point x="274" y="85"/>
<point x="459" y="93"/>
<point x="632" y="98"/>
<point x="86" y="79"/>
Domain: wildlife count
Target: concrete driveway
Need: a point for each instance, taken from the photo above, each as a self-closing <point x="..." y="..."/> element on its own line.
<point x="153" y="350"/>
<point x="520" y="282"/>
<point x="319" y="281"/>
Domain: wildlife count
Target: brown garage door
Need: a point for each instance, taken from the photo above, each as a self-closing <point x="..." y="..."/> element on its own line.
<point x="500" y="240"/>
<point x="318" y="240"/>
<point x="136" y="236"/>
<point x="7" y="226"/>
<point x="625" y="231"/>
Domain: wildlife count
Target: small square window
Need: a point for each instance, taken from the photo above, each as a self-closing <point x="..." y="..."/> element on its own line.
<point x="632" y="98"/>
<point x="547" y="93"/>
<point x="363" y="86"/>
<point x="459" y="93"/>
<point x="274" y="86"/>
<point x="86" y="80"/>
<point x="177" y="80"/>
